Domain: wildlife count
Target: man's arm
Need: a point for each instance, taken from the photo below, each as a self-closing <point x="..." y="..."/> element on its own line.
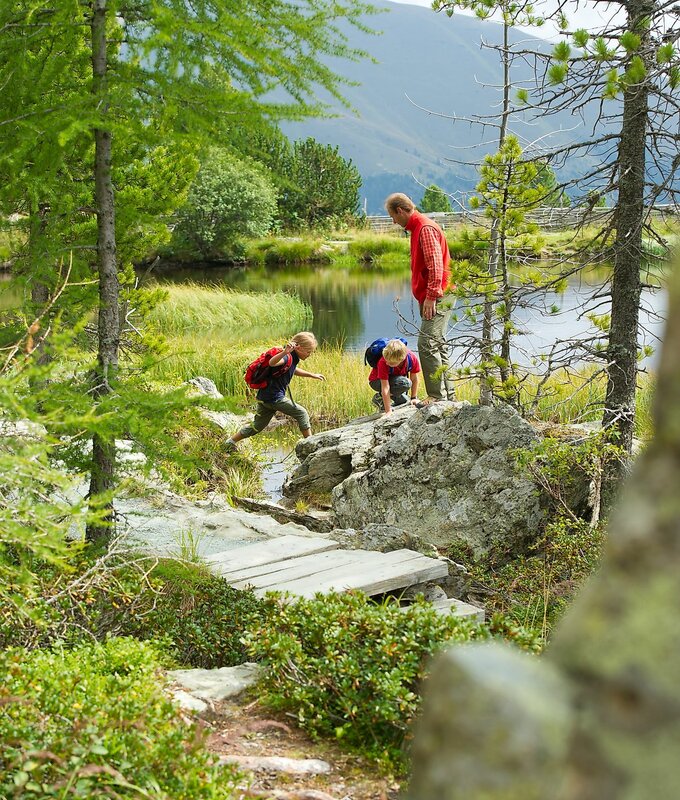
<point x="434" y="262"/>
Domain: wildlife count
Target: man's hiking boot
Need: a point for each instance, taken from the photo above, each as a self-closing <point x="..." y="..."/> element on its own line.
<point x="230" y="447"/>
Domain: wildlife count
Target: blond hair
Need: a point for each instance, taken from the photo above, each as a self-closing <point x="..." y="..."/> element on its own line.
<point x="306" y="339"/>
<point x="399" y="200"/>
<point x="395" y="352"/>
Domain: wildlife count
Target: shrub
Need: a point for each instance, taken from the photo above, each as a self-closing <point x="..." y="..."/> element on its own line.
<point x="534" y="588"/>
<point x="197" y="617"/>
<point x="350" y="668"/>
<point x="94" y="723"/>
<point x="230" y="199"/>
<point x="201" y="618"/>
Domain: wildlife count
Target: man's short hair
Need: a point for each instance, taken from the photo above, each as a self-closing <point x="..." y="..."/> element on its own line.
<point x="399" y="200"/>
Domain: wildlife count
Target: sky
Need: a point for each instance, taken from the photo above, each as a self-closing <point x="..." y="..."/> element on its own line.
<point x="581" y="14"/>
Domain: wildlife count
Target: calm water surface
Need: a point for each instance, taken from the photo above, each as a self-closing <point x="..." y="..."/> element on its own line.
<point x="353" y="307"/>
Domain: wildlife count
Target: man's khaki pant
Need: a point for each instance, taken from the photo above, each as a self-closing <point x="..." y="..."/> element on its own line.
<point x="433" y="351"/>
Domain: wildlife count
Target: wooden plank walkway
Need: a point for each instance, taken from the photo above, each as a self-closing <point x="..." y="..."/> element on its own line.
<point x="304" y="565"/>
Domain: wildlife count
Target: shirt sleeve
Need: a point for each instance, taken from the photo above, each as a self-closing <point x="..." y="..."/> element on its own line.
<point x="434" y="262"/>
<point x="415" y="363"/>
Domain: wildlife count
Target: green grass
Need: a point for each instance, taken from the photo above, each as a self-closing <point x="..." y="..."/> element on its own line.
<point x="275" y="251"/>
<point x="191" y="309"/>
<point x="344" y="395"/>
<point x="214" y="332"/>
<point x="366" y="248"/>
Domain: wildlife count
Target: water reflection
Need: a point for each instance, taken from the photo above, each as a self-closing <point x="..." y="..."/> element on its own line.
<point x="354" y="306"/>
<point x="351" y="308"/>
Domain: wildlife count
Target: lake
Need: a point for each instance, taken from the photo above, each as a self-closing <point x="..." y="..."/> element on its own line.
<point x="354" y="306"/>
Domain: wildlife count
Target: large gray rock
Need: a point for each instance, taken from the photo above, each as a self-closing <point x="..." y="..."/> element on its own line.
<point x="516" y="721"/>
<point x="616" y="655"/>
<point x="444" y="473"/>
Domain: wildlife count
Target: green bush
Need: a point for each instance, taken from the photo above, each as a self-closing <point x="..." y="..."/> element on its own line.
<point x="94" y="723"/>
<point x="350" y="668"/>
<point x="229" y="200"/>
<point x="533" y="589"/>
<point x="196" y="617"/>
<point x="200" y="617"/>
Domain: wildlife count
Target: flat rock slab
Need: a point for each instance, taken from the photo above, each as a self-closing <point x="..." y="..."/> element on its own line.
<point x="216" y="684"/>
<point x="188" y="702"/>
<point x="459" y="609"/>
<point x="293" y="766"/>
<point x="305" y="566"/>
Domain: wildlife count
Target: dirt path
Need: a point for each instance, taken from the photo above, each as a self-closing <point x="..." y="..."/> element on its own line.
<point x="243" y="728"/>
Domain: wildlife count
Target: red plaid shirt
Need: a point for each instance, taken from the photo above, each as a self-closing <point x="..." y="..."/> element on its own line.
<point x="434" y="261"/>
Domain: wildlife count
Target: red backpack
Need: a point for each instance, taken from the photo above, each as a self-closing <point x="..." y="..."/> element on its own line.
<point x="259" y="373"/>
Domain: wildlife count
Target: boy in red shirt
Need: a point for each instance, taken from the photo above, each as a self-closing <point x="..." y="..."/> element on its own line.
<point x="397" y="372"/>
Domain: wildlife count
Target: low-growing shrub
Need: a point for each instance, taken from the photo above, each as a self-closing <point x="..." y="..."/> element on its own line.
<point x="532" y="589"/>
<point x="350" y="668"/>
<point x="201" y="618"/>
<point x="196" y="617"/>
<point x="95" y="723"/>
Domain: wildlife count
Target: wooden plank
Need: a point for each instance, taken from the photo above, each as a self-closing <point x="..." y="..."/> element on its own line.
<point x="394" y="570"/>
<point x="283" y="571"/>
<point x="271" y="551"/>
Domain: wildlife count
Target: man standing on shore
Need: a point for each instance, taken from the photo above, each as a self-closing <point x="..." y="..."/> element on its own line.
<point x="429" y="279"/>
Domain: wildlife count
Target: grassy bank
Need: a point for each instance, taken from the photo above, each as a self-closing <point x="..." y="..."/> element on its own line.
<point x="193" y="310"/>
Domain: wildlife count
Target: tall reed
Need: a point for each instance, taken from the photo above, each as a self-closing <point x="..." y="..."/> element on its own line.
<point x="195" y="309"/>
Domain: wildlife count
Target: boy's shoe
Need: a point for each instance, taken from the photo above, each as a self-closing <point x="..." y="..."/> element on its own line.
<point x="230" y="447"/>
<point x="378" y="401"/>
<point x="400" y="400"/>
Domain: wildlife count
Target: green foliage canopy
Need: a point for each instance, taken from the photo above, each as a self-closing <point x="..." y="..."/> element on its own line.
<point x="320" y="185"/>
<point x="435" y="199"/>
<point x="229" y="200"/>
<point x="95" y="723"/>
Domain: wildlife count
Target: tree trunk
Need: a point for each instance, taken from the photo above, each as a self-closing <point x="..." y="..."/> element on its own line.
<point x="619" y="413"/>
<point x="104" y="447"/>
<point x="40" y="292"/>
<point x="485" y="392"/>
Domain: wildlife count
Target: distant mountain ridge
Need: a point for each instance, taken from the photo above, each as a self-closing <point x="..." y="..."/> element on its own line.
<point x="423" y="59"/>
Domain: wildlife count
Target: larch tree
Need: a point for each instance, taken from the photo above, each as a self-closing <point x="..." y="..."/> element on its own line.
<point x="629" y="72"/>
<point x="103" y="79"/>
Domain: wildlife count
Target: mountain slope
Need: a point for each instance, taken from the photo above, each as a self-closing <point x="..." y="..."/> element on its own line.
<point x="428" y="60"/>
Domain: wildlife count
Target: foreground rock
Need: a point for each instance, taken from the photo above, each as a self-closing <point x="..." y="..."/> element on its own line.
<point x="444" y="473"/>
<point x="599" y="716"/>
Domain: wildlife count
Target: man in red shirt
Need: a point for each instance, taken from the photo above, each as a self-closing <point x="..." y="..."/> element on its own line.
<point x="429" y="280"/>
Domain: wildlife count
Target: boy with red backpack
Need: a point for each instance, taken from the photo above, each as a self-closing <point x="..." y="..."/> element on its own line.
<point x="396" y="371"/>
<point x="271" y="374"/>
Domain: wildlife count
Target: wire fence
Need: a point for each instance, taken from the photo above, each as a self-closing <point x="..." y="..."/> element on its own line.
<point x="549" y="219"/>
